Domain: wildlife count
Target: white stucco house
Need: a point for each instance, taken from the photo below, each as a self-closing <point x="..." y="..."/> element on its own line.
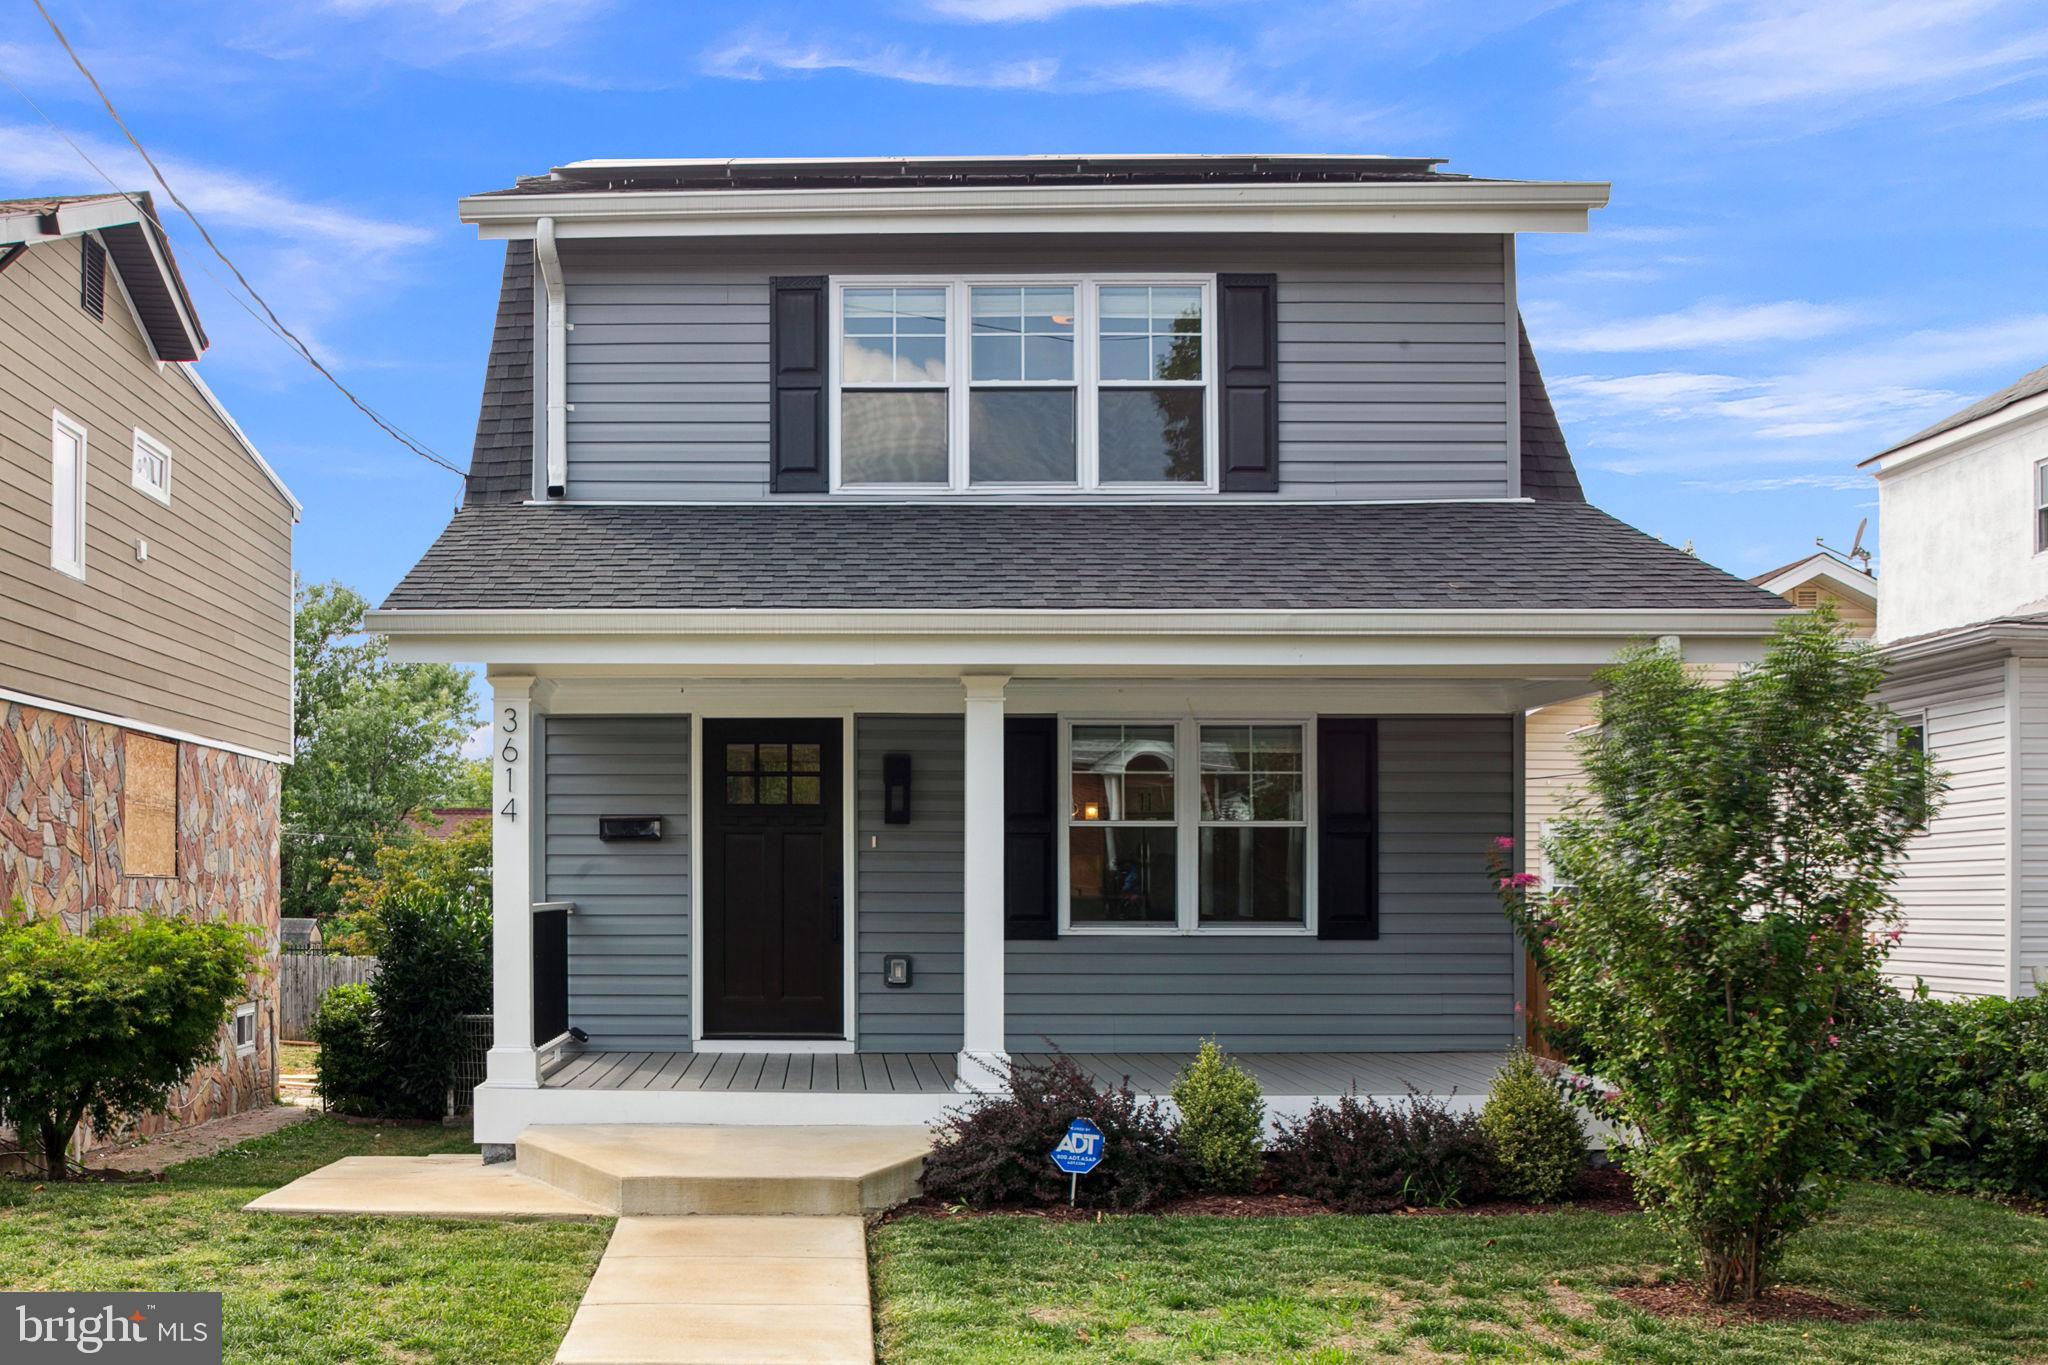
<point x="1964" y="623"/>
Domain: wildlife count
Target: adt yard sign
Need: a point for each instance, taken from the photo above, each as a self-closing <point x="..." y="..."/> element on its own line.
<point x="1079" y="1152"/>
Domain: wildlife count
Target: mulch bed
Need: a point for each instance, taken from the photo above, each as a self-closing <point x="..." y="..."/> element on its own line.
<point x="1605" y="1190"/>
<point x="1682" y="1300"/>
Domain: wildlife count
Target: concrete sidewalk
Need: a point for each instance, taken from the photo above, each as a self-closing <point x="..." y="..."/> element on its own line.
<point x="714" y="1290"/>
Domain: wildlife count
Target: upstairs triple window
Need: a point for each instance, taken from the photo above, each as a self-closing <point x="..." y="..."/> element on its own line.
<point x="1018" y="384"/>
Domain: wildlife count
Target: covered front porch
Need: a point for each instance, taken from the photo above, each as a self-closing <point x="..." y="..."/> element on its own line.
<point x="831" y="878"/>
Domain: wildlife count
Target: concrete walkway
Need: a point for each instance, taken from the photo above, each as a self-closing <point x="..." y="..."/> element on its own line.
<point x="713" y="1290"/>
<point x="735" y="1246"/>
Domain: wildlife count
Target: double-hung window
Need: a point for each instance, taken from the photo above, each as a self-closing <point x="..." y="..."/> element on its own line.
<point x="2041" y="507"/>
<point x="1024" y="384"/>
<point x="1187" y="826"/>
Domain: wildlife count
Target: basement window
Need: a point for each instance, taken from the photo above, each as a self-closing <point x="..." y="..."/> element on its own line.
<point x="245" y="1029"/>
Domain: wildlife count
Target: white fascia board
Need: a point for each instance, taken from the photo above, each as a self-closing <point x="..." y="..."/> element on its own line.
<point x="1988" y="640"/>
<point x="1487" y="642"/>
<point x="73" y="220"/>
<point x="1475" y="207"/>
<point x="242" y="438"/>
<point x="1956" y="440"/>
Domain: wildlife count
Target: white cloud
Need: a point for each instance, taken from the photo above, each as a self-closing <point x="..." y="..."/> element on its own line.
<point x="434" y="32"/>
<point x="1663" y="391"/>
<point x="478" y="745"/>
<point x="1706" y="326"/>
<point x="1832" y="483"/>
<point x="1022" y="11"/>
<point x="37" y="159"/>
<point x="757" y="58"/>
<point x="1210" y="79"/>
<point x="1840" y="57"/>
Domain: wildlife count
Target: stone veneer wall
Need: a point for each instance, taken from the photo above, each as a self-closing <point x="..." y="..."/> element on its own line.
<point x="60" y="849"/>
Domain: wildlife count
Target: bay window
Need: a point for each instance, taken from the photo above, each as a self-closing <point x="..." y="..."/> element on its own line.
<point x="1187" y="826"/>
<point x="1036" y="384"/>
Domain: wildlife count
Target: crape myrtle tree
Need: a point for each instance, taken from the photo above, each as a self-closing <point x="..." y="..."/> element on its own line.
<point x="1723" y="918"/>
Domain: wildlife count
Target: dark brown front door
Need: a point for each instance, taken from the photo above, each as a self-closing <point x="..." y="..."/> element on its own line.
<point x="773" y="898"/>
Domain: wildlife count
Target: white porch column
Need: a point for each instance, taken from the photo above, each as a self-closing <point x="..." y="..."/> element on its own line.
<point x="515" y="824"/>
<point x="982" y="1044"/>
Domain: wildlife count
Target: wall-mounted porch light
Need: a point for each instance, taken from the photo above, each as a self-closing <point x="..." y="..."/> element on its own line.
<point x="896" y="970"/>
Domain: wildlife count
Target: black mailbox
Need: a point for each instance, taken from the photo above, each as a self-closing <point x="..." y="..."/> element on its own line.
<point x="615" y="829"/>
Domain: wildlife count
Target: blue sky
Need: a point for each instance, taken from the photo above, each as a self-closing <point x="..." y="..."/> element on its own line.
<point x="1826" y="229"/>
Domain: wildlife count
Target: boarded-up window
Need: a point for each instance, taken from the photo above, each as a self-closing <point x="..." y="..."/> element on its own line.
<point x="149" y="806"/>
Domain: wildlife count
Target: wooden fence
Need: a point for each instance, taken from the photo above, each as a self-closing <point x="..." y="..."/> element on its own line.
<point x="306" y="976"/>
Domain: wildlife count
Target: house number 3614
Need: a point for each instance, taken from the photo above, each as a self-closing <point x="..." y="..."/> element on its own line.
<point x="510" y="753"/>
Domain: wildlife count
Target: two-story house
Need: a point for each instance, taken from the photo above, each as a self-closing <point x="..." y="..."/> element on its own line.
<point x="942" y="608"/>
<point x="145" y="609"/>
<point x="1964" y="625"/>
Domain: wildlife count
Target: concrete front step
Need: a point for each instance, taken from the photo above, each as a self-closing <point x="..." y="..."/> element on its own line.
<point x="662" y="1170"/>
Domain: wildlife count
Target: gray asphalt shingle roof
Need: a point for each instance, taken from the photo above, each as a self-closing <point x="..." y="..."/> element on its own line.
<point x="2021" y="389"/>
<point x="944" y="555"/>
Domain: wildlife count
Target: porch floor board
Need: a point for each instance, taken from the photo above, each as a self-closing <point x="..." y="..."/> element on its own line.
<point x="933" y="1073"/>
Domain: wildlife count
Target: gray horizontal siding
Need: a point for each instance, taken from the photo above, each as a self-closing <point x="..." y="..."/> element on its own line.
<point x="910" y="885"/>
<point x="629" y="940"/>
<point x="1393" y="356"/>
<point x="1440" y="976"/>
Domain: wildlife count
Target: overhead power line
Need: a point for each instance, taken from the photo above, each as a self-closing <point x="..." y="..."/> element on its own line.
<point x="276" y="323"/>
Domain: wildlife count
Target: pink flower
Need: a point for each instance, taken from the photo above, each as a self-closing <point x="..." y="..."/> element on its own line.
<point x="1612" y="1097"/>
<point x="1518" y="1007"/>
<point x="1504" y="844"/>
<point x="1523" y="879"/>
<point x="1833" y="1041"/>
<point x="1896" y="934"/>
<point x="1549" y="942"/>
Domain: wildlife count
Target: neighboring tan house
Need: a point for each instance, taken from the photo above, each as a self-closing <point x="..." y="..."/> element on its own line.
<point x="1964" y="624"/>
<point x="939" y="608"/>
<point x="1554" y="772"/>
<point x="146" y="621"/>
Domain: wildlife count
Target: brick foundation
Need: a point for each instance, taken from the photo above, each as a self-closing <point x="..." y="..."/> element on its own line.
<point x="60" y="849"/>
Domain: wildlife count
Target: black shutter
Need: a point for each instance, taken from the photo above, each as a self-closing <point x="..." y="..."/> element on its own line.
<point x="1030" y="825"/>
<point x="796" y="349"/>
<point x="1248" y="328"/>
<point x="1348" y="866"/>
<point x="92" y="277"/>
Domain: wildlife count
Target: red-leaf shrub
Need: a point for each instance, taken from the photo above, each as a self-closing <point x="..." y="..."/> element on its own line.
<point x="998" y="1148"/>
<point x="1360" y="1156"/>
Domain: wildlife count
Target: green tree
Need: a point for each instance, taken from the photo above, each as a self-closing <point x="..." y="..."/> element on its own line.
<point x="106" y="1024"/>
<point x="374" y="741"/>
<point x="1720" y="944"/>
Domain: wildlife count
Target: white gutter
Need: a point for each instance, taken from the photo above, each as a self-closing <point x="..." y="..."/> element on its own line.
<point x="558" y="355"/>
<point x="1459" y="206"/>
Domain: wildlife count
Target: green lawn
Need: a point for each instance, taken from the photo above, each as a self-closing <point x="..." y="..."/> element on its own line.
<point x="303" y="1291"/>
<point x="296" y="1057"/>
<point x="1954" y="1280"/>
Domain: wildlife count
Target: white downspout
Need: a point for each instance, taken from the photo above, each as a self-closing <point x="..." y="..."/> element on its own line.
<point x="558" y="356"/>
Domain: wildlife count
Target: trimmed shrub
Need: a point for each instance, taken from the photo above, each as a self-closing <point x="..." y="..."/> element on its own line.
<point x="1959" y="1093"/>
<point x="1539" y="1144"/>
<point x="1222" y="1120"/>
<point x="433" y="963"/>
<point x="998" y="1148"/>
<point x="1363" y="1157"/>
<point x="106" y="1024"/>
<point x="349" y="1070"/>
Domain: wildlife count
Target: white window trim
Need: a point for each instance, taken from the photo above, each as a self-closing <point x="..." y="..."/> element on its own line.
<point x="2040" y="468"/>
<point x="1087" y="383"/>
<point x="144" y="442"/>
<point x="61" y="427"/>
<point x="1909" y="720"/>
<point x="1187" y="824"/>
<point x="244" y="1011"/>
